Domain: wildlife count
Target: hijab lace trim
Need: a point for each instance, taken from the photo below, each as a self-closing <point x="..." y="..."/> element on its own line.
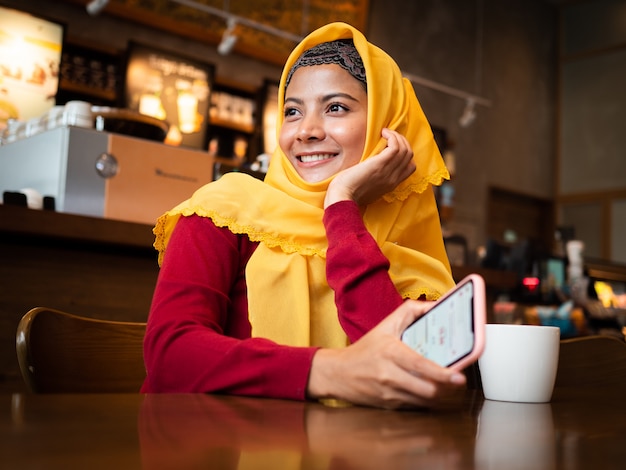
<point x="423" y="292"/>
<point x="254" y="234"/>
<point x="403" y="192"/>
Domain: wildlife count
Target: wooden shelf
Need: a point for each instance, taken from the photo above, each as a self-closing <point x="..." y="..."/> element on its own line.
<point x="66" y="85"/>
<point x="606" y="270"/>
<point x="236" y="126"/>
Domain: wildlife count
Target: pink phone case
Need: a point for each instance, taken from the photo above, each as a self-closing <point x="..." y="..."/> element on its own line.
<point x="480" y="319"/>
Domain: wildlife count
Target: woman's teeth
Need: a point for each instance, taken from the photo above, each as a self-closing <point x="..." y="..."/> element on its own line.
<point x="315" y="158"/>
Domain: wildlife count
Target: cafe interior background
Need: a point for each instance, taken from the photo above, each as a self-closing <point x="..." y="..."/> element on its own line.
<point x="525" y="98"/>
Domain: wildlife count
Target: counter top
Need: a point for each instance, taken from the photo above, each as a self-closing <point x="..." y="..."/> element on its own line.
<point x="18" y="220"/>
<point x="56" y="225"/>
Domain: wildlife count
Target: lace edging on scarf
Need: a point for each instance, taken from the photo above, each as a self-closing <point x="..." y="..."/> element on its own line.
<point x="422" y="293"/>
<point x="402" y="192"/>
<point x="269" y="239"/>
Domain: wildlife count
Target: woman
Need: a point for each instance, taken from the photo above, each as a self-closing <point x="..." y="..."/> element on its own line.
<point x="264" y="284"/>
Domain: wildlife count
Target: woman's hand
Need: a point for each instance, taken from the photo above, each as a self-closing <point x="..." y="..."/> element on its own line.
<point x="378" y="175"/>
<point x="380" y="370"/>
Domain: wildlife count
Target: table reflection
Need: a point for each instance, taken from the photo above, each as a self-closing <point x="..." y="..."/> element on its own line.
<point x="515" y="436"/>
<point x="239" y="433"/>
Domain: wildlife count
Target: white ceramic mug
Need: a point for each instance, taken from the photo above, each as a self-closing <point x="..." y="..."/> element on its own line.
<point x="520" y="362"/>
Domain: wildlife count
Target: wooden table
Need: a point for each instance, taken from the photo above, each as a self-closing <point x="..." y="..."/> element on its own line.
<point x="577" y="430"/>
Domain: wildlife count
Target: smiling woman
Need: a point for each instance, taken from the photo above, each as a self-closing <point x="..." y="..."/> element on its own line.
<point x="293" y="287"/>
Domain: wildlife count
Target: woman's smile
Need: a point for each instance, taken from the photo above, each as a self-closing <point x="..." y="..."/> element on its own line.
<point x="316" y="157"/>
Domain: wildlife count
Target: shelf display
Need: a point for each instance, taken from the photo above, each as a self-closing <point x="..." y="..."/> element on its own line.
<point x="173" y="88"/>
<point x="232" y="135"/>
<point x="90" y="74"/>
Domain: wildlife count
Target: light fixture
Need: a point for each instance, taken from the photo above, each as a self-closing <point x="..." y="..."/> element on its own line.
<point x="229" y="38"/>
<point x="224" y="13"/>
<point x="96" y="6"/>
<point x="469" y="113"/>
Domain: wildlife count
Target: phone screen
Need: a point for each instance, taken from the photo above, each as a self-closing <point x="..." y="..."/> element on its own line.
<point x="445" y="333"/>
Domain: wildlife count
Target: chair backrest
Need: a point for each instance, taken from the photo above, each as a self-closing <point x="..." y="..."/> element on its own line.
<point x="63" y="353"/>
<point x="592" y="361"/>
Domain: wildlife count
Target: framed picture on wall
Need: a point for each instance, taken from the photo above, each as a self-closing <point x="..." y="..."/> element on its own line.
<point x="173" y="88"/>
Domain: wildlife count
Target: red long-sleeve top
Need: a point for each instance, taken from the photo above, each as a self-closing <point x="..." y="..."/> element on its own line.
<point x="198" y="334"/>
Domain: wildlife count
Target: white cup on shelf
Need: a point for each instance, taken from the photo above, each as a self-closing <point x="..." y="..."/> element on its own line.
<point x="35" y="126"/>
<point x="34" y="199"/>
<point x="78" y="113"/>
<point x="10" y="133"/>
<point x="54" y="117"/>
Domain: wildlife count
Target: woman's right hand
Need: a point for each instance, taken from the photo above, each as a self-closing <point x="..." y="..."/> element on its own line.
<point x="370" y="179"/>
<point x="380" y="370"/>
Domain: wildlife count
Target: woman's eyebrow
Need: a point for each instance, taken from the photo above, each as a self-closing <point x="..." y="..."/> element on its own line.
<point x="295" y="100"/>
<point x="324" y="98"/>
<point x="332" y="96"/>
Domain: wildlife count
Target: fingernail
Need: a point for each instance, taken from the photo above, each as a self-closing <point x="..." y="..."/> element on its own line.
<point x="457" y="379"/>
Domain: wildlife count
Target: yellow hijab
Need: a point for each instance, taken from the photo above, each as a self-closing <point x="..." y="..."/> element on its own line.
<point x="289" y="298"/>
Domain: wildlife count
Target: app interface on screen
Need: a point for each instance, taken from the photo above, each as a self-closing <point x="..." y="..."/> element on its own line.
<point x="445" y="334"/>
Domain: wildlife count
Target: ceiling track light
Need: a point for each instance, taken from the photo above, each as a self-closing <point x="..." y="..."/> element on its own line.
<point x="224" y="13"/>
<point x="96" y="6"/>
<point x="229" y="38"/>
<point x="469" y="114"/>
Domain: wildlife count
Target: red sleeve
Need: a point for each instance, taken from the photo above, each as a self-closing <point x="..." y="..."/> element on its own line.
<point x="357" y="271"/>
<point x="198" y="334"/>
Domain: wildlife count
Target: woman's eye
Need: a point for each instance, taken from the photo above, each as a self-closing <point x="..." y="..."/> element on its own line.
<point x="290" y="112"/>
<point x="337" y="107"/>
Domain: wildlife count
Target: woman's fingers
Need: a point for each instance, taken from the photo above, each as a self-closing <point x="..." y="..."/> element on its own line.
<point x="379" y="370"/>
<point x="376" y="176"/>
<point x="395" y="162"/>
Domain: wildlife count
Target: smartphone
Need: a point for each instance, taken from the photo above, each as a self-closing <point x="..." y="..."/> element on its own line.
<point x="452" y="332"/>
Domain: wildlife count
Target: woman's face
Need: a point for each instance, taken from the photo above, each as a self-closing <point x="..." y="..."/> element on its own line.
<point x="325" y="121"/>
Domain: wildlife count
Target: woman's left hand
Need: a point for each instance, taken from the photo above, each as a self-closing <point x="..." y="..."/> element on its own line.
<point x="367" y="181"/>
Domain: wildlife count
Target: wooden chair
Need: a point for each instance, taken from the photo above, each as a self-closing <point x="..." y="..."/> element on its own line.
<point x="63" y="353"/>
<point x="592" y="361"/>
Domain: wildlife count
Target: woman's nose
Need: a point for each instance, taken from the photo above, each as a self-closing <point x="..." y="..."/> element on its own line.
<point x="311" y="128"/>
